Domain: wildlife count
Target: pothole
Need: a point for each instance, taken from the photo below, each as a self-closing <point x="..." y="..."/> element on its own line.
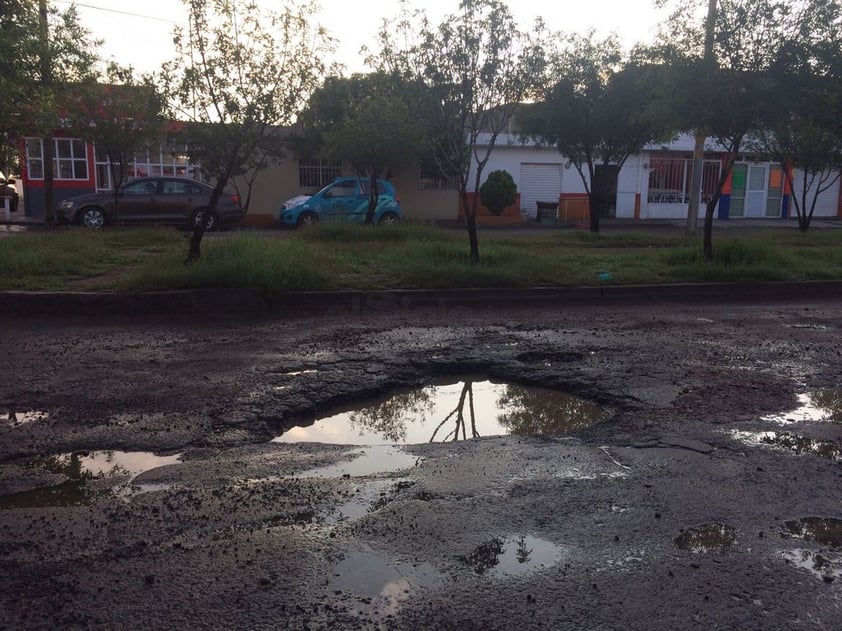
<point x="372" y="585"/>
<point x="820" y="406"/>
<point x="451" y="411"/>
<point x="826" y="531"/>
<point x="365" y="461"/>
<point x="16" y="419"/>
<point x="827" y="567"/>
<point x="791" y="442"/>
<point x="81" y="469"/>
<point x="707" y="538"/>
<point x="512" y="556"/>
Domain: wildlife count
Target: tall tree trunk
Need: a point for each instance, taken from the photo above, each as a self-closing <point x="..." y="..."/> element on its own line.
<point x="199" y="228"/>
<point x="372" y="199"/>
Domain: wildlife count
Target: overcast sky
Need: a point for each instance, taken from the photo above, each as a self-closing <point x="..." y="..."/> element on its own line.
<point x="140" y="33"/>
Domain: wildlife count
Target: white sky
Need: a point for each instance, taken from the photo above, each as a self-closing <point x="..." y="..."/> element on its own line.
<point x="140" y="33"/>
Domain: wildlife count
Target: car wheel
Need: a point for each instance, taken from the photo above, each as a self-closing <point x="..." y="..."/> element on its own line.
<point x="92" y="217"/>
<point x="388" y="219"/>
<point x="307" y="219"/>
<point x="199" y="215"/>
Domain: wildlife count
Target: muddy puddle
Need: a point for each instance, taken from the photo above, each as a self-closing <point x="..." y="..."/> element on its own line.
<point x="826" y="531"/>
<point x="820" y="406"/>
<point x="366" y="461"/>
<point x="793" y="443"/>
<point x="81" y="471"/>
<point x="450" y="411"/>
<point x="515" y="555"/>
<point x="827" y="567"/>
<point x="369" y="584"/>
<point x="17" y="418"/>
<point x="707" y="538"/>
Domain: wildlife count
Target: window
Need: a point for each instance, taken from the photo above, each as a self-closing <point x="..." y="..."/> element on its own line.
<point x="669" y="180"/>
<point x="70" y="161"/>
<point x="318" y="173"/>
<point x="432" y="179"/>
<point x="164" y="159"/>
<point x="178" y="187"/>
<point x="140" y="188"/>
<point x="344" y="189"/>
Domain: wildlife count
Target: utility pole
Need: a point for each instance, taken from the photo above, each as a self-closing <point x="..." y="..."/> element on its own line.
<point x="46" y="71"/>
<point x="699" y="147"/>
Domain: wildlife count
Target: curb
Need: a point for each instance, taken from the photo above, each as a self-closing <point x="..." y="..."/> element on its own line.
<point x="254" y="302"/>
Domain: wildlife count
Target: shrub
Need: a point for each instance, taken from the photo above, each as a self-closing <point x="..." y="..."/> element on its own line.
<point x="498" y="192"/>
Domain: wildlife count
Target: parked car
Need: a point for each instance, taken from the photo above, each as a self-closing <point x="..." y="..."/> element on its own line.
<point x="8" y="191"/>
<point x="344" y="199"/>
<point x="164" y="200"/>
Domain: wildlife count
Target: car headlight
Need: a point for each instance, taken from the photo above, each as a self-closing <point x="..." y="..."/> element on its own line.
<point x="65" y="204"/>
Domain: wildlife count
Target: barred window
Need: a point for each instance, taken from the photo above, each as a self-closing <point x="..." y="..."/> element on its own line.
<point x="315" y="173"/>
<point x="669" y="180"/>
<point x="432" y="179"/>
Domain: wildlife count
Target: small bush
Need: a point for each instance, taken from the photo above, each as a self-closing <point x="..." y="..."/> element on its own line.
<point x="498" y="192"/>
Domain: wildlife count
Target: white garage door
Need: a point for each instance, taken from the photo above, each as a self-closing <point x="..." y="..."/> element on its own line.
<point x="539" y="183"/>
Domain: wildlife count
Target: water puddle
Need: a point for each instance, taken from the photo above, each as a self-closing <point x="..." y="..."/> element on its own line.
<point x="16" y="419"/>
<point x="367" y="498"/>
<point x="371" y="460"/>
<point x="513" y="556"/>
<point x="821" y="406"/>
<point x="826" y="567"/>
<point x="825" y="531"/>
<point x="707" y="538"/>
<point x="376" y="586"/>
<point x="455" y="410"/>
<point x="81" y="468"/>
<point x="792" y="443"/>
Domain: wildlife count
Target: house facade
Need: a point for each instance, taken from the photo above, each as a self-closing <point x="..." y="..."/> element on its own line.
<point x="653" y="184"/>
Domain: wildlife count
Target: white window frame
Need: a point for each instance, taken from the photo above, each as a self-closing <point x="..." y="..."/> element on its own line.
<point x="70" y="163"/>
<point x="316" y="173"/>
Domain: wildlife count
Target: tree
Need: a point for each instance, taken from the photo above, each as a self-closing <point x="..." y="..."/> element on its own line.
<point x="806" y="132"/>
<point x="732" y="95"/>
<point x="239" y="75"/>
<point x="44" y="54"/>
<point x="366" y="120"/>
<point x="467" y="77"/>
<point x="597" y="113"/>
<point x="120" y="116"/>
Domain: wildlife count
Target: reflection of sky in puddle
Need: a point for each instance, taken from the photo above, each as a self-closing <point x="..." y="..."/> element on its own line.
<point x="453" y="411"/>
<point x="369" y="460"/>
<point x="790" y="442"/>
<point x="366" y="496"/>
<point x="513" y="556"/>
<point x="81" y="468"/>
<point x="379" y="585"/>
<point x="708" y="538"/>
<point x="827" y="567"/>
<point x="824" y="405"/>
<point x="16" y="419"/>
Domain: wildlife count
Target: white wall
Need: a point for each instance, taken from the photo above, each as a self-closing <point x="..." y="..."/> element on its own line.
<point x="827" y="205"/>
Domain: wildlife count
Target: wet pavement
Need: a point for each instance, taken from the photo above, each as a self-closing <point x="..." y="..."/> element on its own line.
<point x="614" y="466"/>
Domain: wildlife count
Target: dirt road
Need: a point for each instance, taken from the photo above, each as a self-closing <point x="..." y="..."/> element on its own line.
<point x="709" y="498"/>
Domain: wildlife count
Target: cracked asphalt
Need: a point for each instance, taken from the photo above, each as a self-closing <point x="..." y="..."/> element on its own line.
<point x="707" y="499"/>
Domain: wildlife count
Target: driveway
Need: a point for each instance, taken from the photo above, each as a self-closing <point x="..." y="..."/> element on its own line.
<point x="706" y="497"/>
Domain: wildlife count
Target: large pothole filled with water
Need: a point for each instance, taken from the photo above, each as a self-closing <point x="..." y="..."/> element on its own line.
<point x="451" y="411"/>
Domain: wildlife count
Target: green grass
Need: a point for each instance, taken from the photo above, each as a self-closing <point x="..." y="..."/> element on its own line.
<point x="332" y="257"/>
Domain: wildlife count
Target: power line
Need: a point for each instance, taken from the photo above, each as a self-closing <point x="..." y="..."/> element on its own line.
<point x="129" y="13"/>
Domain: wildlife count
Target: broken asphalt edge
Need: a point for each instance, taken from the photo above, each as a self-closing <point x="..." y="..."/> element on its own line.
<point x="255" y="302"/>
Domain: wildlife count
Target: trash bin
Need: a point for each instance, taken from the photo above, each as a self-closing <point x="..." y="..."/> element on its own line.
<point x="547" y="212"/>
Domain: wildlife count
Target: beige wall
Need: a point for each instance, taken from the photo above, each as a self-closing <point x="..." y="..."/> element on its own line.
<point x="279" y="182"/>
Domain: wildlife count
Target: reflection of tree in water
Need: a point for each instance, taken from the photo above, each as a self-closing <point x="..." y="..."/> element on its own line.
<point x="484" y="556"/>
<point x="71" y="492"/>
<point x="522" y="552"/>
<point x="830" y="400"/>
<point x="534" y="412"/>
<point x="459" y="412"/>
<point x="388" y="419"/>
